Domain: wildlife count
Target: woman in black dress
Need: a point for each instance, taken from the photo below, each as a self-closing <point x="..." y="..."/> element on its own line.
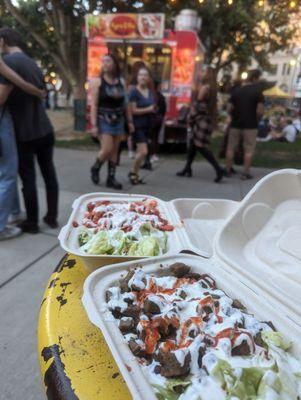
<point x="201" y="120"/>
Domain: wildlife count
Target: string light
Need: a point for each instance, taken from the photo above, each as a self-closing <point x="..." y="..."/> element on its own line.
<point x="292" y="4"/>
<point x="230" y="2"/>
<point x="261" y="3"/>
<point x="201" y="1"/>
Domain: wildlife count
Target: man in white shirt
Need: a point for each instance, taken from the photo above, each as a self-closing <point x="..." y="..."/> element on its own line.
<point x="289" y="133"/>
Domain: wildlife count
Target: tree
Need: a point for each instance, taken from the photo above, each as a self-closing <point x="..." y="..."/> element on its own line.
<point x="56" y="26"/>
<point x="239" y="30"/>
<point x="32" y="47"/>
<point x="232" y="30"/>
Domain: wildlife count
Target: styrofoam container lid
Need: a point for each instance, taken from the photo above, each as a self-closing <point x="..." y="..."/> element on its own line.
<point x="262" y="239"/>
<point x="202" y="219"/>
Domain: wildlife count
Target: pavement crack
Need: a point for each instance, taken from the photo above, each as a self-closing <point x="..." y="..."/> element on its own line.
<point x="28" y="266"/>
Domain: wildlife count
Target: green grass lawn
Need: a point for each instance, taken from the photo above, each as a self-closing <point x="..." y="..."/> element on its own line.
<point x="268" y="155"/>
<point x="274" y="155"/>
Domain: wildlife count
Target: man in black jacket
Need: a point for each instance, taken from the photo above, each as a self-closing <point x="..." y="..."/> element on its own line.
<point x="34" y="132"/>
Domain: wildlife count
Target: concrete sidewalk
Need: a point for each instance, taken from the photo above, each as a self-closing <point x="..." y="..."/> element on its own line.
<point x="27" y="262"/>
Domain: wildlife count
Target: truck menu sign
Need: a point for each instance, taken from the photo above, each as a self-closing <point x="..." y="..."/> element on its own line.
<point x="125" y="26"/>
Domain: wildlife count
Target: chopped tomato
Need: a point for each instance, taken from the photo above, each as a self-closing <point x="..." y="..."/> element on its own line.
<point x="90" y="224"/>
<point x="208" y="300"/>
<point x="167" y="228"/>
<point x="226" y="333"/>
<point x="103" y="203"/>
<point x="168" y="346"/>
<point x="151" y="340"/>
<point x="75" y="224"/>
<point x="197" y="321"/>
<point x="90" y="206"/>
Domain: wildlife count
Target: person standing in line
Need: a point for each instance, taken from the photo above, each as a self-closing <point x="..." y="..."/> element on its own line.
<point x="10" y="212"/>
<point x="108" y="109"/>
<point x="156" y="128"/>
<point x="132" y="84"/>
<point x="143" y="105"/>
<point x="158" y="122"/>
<point x="201" y="119"/>
<point x="34" y="132"/>
<point x="246" y="109"/>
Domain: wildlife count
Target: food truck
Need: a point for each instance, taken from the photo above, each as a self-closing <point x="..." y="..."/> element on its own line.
<point x="173" y="56"/>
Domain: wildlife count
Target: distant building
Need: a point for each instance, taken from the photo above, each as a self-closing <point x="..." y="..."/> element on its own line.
<point x="285" y="70"/>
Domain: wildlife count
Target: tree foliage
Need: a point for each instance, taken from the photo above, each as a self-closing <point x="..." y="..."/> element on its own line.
<point x="234" y="32"/>
<point x="243" y="30"/>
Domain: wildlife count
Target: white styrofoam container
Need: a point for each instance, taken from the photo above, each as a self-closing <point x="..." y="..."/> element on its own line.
<point x="68" y="234"/>
<point x="256" y="259"/>
<point x="262" y="239"/>
<point x="202" y="219"/>
<point x="178" y="212"/>
<point x="233" y="283"/>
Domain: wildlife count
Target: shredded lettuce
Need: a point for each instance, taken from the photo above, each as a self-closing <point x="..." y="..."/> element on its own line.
<point x="133" y="249"/>
<point x="173" y="384"/>
<point x="279" y="380"/>
<point x="276" y="339"/>
<point x="84" y="236"/>
<point x="99" y="244"/>
<point x="146" y="229"/>
<point x="173" y="389"/>
<point x="148" y="246"/>
<point x="147" y="242"/>
<point x="119" y="235"/>
<point x="248" y="385"/>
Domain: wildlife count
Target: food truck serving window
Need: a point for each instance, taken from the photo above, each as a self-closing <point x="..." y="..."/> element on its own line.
<point x="156" y="56"/>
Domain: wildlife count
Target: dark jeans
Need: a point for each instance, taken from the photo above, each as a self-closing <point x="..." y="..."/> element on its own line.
<point x="42" y="149"/>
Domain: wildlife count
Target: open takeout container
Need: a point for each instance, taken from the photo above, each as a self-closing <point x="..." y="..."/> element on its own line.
<point x="262" y="280"/>
<point x="196" y="222"/>
<point x="262" y="238"/>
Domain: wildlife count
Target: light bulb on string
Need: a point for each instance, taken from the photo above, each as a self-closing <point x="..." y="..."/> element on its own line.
<point x="230" y="2"/>
<point x="260" y="3"/>
<point x="293" y="4"/>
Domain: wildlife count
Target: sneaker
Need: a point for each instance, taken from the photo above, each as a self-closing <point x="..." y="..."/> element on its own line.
<point x="131" y="155"/>
<point x="28" y="227"/>
<point x="52" y="223"/>
<point x="155" y="158"/>
<point x="246" y="177"/>
<point x="10" y="232"/>
<point x="17" y="218"/>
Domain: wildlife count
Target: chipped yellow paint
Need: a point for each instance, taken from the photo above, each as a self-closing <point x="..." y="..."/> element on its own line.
<point x="87" y="359"/>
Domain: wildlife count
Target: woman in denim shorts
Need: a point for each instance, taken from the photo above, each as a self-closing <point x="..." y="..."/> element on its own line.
<point x="108" y="109"/>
